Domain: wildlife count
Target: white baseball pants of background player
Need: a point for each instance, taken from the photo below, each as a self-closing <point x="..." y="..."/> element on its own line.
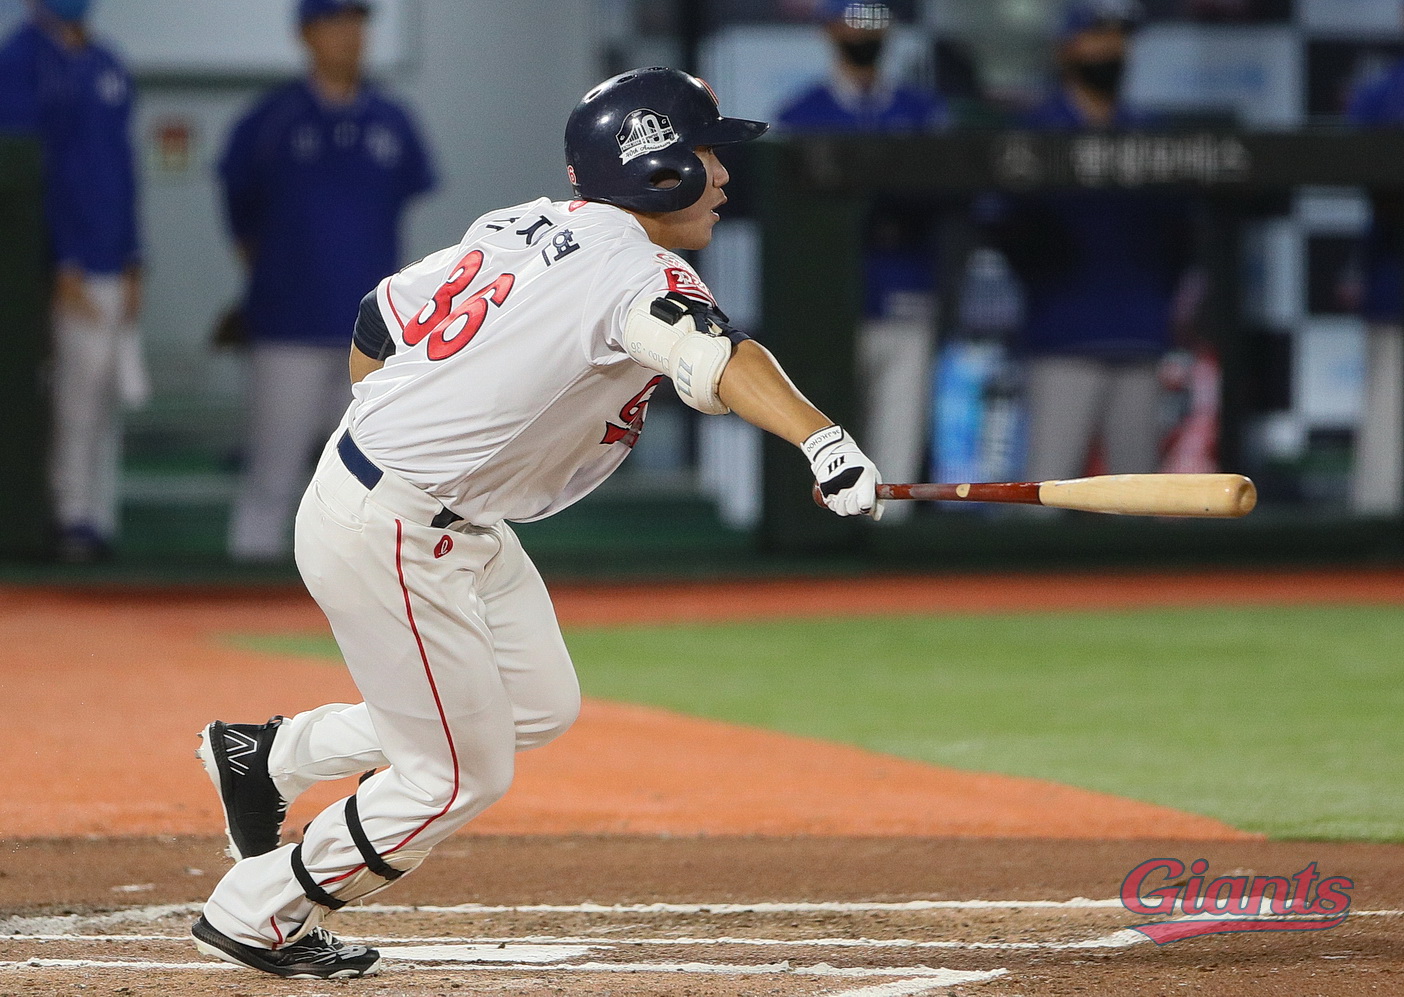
<point x="894" y="379"/>
<point x="1073" y="400"/>
<point x="296" y="394"/>
<point x="1377" y="479"/>
<point x="97" y="369"/>
<point x="452" y="641"/>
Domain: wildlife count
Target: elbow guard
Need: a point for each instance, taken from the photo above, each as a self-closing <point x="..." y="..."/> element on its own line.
<point x="677" y="337"/>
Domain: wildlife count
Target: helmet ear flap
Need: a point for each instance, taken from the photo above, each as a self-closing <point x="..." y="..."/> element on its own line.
<point x="675" y="181"/>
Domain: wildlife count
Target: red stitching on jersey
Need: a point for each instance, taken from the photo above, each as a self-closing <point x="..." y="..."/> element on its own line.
<point x="393" y="310"/>
<point x="438" y="704"/>
<point x="273" y="921"/>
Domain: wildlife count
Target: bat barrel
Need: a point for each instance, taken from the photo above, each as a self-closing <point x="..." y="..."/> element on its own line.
<point x="1201" y="495"/>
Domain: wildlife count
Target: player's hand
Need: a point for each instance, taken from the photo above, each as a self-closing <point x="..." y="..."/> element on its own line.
<point x="847" y="479"/>
<point x="71" y="296"/>
<point x="131" y="294"/>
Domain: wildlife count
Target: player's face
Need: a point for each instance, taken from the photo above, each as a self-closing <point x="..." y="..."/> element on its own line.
<point x="691" y="228"/>
<point x="337" y="41"/>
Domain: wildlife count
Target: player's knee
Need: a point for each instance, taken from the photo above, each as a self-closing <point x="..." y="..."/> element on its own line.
<point x="548" y="721"/>
<point x="482" y="786"/>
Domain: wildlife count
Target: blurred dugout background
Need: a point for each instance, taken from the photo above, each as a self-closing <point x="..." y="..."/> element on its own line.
<point x="491" y="84"/>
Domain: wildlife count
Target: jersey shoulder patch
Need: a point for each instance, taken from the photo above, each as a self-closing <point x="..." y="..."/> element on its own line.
<point x="683" y="279"/>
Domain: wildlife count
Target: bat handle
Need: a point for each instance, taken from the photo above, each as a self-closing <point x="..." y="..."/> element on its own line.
<point x="884" y="492"/>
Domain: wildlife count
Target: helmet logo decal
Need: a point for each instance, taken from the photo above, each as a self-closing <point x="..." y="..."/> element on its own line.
<point x="644" y="131"/>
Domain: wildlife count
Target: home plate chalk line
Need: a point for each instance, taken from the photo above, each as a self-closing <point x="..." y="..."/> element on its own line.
<point x="580" y="954"/>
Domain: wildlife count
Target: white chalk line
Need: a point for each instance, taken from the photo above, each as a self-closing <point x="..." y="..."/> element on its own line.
<point x="932" y="977"/>
<point x="16" y="925"/>
<point x="822" y="907"/>
<point x="1118" y="939"/>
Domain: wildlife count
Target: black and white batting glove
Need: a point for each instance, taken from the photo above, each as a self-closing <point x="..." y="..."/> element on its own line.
<point x="847" y="479"/>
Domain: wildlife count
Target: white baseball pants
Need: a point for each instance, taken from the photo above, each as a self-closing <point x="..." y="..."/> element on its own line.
<point x="296" y="394"/>
<point x="894" y="372"/>
<point x="1072" y="400"/>
<point x="96" y="369"/>
<point x="453" y="643"/>
<point x="1377" y="479"/>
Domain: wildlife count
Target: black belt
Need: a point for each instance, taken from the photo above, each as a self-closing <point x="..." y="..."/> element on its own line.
<point x="369" y="475"/>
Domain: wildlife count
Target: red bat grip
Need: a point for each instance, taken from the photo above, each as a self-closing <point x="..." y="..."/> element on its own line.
<point x="1020" y="492"/>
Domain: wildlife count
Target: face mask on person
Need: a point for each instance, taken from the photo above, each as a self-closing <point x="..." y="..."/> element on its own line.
<point x="861" y="53"/>
<point x="1104" y="76"/>
<point x="67" y="10"/>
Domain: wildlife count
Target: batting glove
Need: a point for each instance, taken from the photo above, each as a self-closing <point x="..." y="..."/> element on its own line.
<point x="847" y="479"/>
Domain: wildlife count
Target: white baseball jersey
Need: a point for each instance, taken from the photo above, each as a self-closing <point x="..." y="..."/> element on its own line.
<point x="510" y="395"/>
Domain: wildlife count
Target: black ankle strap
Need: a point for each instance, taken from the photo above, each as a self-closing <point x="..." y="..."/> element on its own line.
<point x="309" y="885"/>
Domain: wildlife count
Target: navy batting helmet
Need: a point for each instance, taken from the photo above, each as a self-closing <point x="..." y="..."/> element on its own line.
<point x="630" y="140"/>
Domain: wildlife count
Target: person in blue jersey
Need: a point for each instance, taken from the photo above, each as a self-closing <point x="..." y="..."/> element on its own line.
<point x="1377" y="477"/>
<point x="1100" y="271"/>
<point x="59" y="85"/>
<point x="895" y="341"/>
<point x="316" y="179"/>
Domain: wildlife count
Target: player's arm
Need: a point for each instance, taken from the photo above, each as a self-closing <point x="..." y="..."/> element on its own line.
<point x="361" y="365"/>
<point x="371" y="342"/>
<point x="754" y="386"/>
<point x="716" y="369"/>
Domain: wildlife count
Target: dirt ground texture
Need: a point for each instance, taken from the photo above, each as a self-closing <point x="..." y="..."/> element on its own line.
<point x="699" y="860"/>
<point x="558" y="893"/>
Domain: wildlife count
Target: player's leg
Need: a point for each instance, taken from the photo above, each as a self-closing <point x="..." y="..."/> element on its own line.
<point x="1131" y="424"/>
<point x="411" y="627"/>
<point x="895" y="360"/>
<point x="1065" y="398"/>
<point x="1377" y="477"/>
<point x="531" y="655"/>
<point x="288" y="414"/>
<point x="339" y="740"/>
<point x="84" y="468"/>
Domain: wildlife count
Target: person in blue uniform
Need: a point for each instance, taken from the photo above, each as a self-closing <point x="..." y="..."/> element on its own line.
<point x="59" y="85"/>
<point x="1377" y="475"/>
<point x="1100" y="271"/>
<point x="316" y="179"/>
<point x="895" y="341"/>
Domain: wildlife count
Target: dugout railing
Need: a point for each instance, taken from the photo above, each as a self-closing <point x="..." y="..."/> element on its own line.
<point x="810" y="204"/>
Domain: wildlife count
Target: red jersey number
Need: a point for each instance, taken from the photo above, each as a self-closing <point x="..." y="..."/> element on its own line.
<point x="451" y="328"/>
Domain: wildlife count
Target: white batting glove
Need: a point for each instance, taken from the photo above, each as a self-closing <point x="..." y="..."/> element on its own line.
<point x="847" y="479"/>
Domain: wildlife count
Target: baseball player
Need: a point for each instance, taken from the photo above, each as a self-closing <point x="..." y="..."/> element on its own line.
<point x="896" y="337"/>
<point x="1377" y="472"/>
<point x="1100" y="271"/>
<point x="316" y="178"/>
<point x="71" y="92"/>
<point x="501" y="379"/>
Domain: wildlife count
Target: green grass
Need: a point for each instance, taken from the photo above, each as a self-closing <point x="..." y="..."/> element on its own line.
<point x="1287" y="721"/>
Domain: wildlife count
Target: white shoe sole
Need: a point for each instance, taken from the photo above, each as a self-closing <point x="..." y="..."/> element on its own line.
<point x="204" y="948"/>
<point x="205" y="753"/>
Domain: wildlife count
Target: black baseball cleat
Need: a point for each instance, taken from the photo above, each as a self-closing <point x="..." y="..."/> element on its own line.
<point x="235" y="757"/>
<point x="319" y="955"/>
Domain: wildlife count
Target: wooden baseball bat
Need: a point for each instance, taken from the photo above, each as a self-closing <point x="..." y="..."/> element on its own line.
<point x="1224" y="496"/>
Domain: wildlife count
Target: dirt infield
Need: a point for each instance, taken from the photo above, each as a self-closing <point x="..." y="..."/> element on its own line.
<point x="851" y="874"/>
<point x="711" y="917"/>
